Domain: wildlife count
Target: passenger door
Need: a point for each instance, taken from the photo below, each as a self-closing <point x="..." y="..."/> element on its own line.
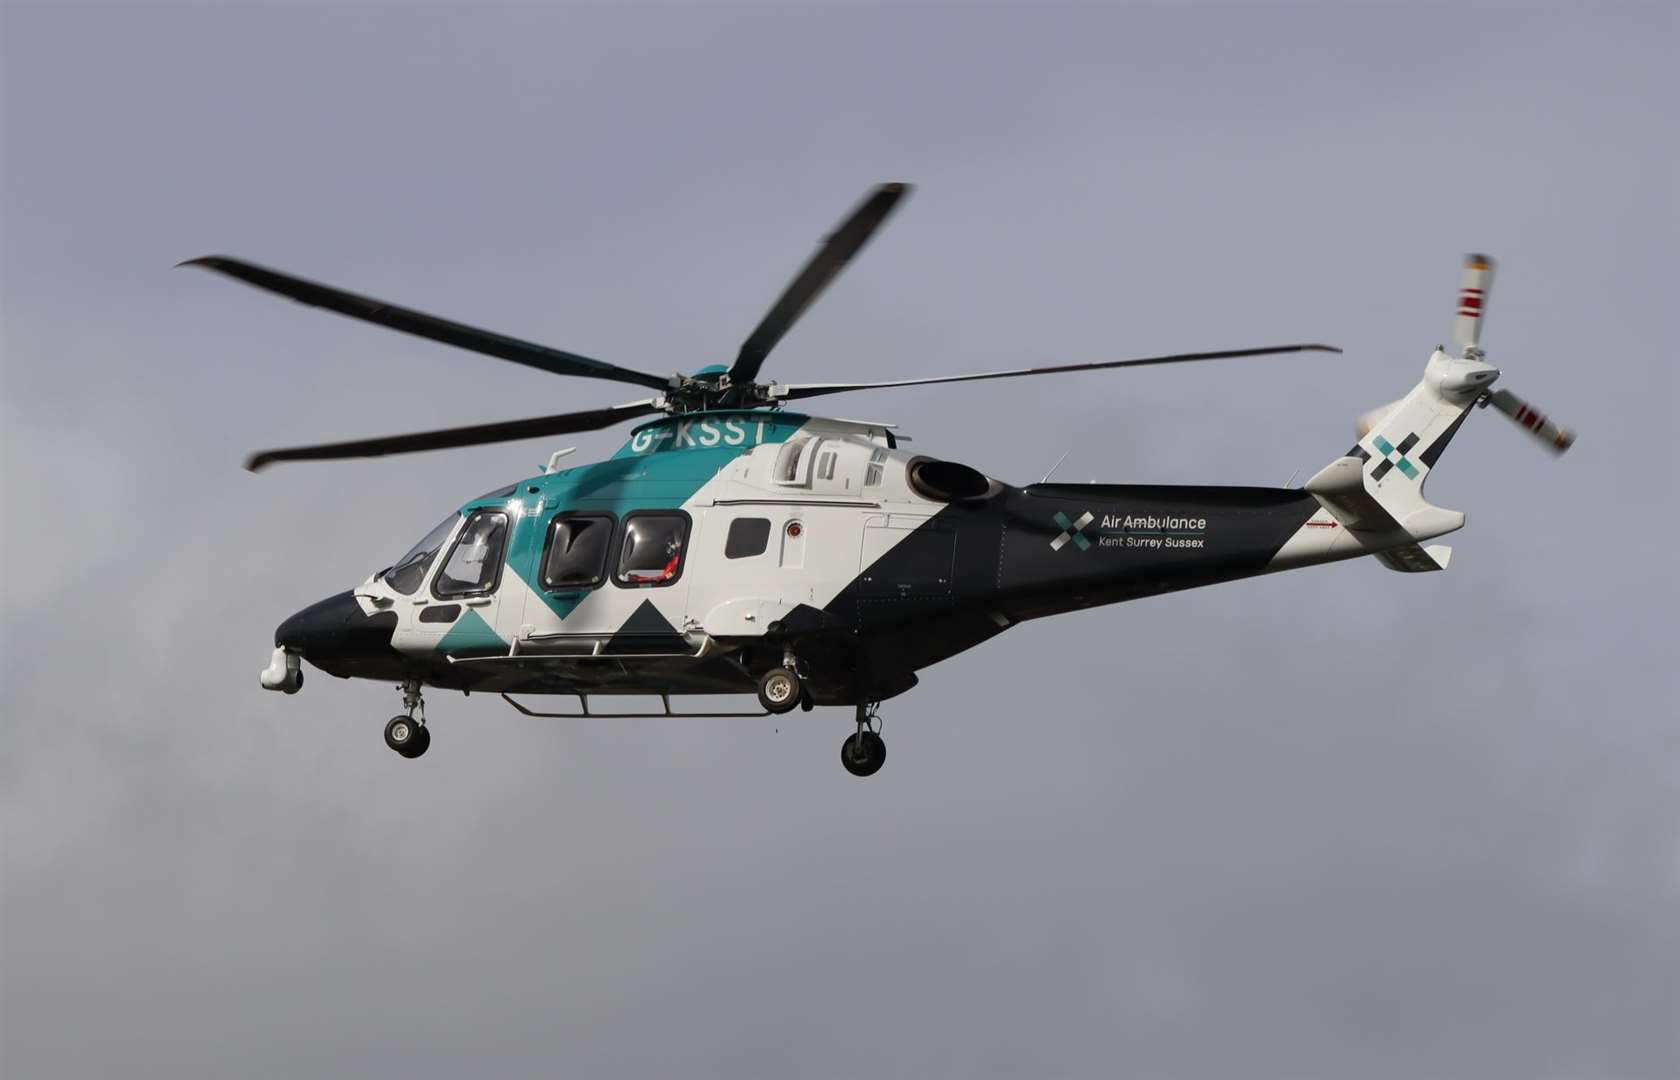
<point x="649" y="578"/>
<point x="568" y="571"/>
<point x="735" y="552"/>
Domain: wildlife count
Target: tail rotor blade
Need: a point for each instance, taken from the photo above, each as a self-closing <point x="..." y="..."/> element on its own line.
<point x="1554" y="436"/>
<point x="1472" y="300"/>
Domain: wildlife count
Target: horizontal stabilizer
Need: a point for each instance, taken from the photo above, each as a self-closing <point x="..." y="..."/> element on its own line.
<point x="1412" y="559"/>
<point x="1340" y="487"/>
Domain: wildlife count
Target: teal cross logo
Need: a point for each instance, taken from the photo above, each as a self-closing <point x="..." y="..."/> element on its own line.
<point x="1072" y="530"/>
<point x="1394" y="457"/>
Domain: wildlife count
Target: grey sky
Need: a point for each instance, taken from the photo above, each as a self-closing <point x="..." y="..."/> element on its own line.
<point x="1334" y="822"/>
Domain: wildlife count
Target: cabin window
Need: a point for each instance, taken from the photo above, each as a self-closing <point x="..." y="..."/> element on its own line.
<point x="576" y="557"/>
<point x="653" y="548"/>
<point x="474" y="564"/>
<point x="410" y="570"/>
<point x="747" y="537"/>
<point x="825" y="465"/>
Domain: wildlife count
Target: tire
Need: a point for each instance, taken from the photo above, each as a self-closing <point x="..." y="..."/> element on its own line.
<point x="863" y="755"/>
<point x="421" y="742"/>
<point x="401" y="734"/>
<point x="779" y="691"/>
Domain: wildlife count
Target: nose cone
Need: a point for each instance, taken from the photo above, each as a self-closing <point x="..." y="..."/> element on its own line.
<point x="335" y="636"/>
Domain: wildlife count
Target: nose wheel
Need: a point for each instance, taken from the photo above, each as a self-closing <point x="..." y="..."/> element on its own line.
<point x="407" y="734"/>
<point x="864" y="752"/>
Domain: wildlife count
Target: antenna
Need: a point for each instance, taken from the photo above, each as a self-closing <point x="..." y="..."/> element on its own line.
<point x="1056" y="466"/>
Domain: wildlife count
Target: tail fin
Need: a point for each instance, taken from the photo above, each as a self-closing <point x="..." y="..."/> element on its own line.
<point x="1376" y="488"/>
<point x="1374" y="492"/>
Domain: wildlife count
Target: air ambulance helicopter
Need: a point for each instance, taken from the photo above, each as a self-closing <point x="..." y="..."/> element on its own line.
<point x="733" y="545"/>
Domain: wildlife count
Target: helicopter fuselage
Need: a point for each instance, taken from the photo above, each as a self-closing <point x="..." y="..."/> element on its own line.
<point x="718" y="545"/>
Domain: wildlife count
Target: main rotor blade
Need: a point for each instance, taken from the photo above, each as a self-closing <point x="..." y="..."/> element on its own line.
<point x="795" y="391"/>
<point x="476" y="435"/>
<point x="423" y="325"/>
<point x="824" y="267"/>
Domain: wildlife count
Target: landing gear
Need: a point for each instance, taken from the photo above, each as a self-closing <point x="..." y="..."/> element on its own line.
<point x="780" y="690"/>
<point x="864" y="752"/>
<point x="407" y="737"/>
<point x="408" y="734"/>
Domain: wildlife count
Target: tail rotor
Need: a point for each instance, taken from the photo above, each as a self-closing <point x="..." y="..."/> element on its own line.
<point x="1550" y="434"/>
<point x="1472" y="298"/>
<point x="1473" y="291"/>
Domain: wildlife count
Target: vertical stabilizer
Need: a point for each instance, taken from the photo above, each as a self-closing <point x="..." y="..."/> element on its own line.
<point x="1377" y="486"/>
<point x="1372" y="496"/>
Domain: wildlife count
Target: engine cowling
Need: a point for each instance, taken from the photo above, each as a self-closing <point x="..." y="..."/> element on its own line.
<point x="948" y="481"/>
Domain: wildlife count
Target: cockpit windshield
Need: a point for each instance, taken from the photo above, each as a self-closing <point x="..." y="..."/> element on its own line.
<point x="410" y="570"/>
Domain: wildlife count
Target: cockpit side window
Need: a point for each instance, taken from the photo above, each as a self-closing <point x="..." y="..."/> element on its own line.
<point x="410" y="570"/>
<point x="474" y="565"/>
<point x="577" y="551"/>
<point x="653" y="548"/>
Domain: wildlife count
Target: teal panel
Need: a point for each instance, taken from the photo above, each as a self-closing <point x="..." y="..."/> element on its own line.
<point x="661" y="466"/>
<point x="472" y="636"/>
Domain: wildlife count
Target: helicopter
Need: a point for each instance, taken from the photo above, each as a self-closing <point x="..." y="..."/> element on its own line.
<point x="733" y="546"/>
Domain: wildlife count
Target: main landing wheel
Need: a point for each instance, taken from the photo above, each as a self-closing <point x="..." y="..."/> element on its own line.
<point x="407" y="737"/>
<point x="779" y="691"/>
<point x="863" y="754"/>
